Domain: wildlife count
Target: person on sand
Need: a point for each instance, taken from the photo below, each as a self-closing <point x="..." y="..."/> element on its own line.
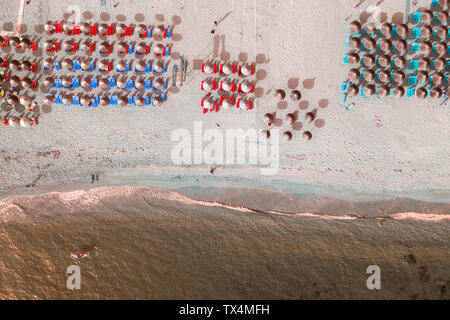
<point x="96" y="177"/>
<point x="92" y="178"/>
<point x="212" y="170"/>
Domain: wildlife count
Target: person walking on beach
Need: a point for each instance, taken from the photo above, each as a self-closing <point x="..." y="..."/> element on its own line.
<point x="212" y="170"/>
<point x="92" y="178"/>
<point x="96" y="177"/>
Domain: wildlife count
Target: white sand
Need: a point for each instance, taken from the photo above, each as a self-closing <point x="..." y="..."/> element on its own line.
<point x="302" y="39"/>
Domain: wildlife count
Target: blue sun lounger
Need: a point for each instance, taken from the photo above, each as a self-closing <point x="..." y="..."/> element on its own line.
<point x="412" y="80"/>
<point x="148" y="68"/>
<point x="113" y="100"/>
<point x="149" y="32"/>
<point x="112" y="83"/>
<point x="75" y="82"/>
<point x="169" y="32"/>
<point x="58" y="99"/>
<point x="148" y="84"/>
<point x="416" y="17"/>
<point x="58" y="83"/>
<point x="147" y="101"/>
<point x="416" y="32"/>
<point x="435" y="3"/>
<point x="130" y="84"/>
<point x="130" y="100"/>
<point x="76" y="100"/>
<point x="346" y="59"/>
<point x="411" y="91"/>
<point x="415" y="47"/>
<point x="130" y="49"/>
<point x="414" y="64"/>
<point x="57" y="65"/>
<point x="76" y="65"/>
<point x="94" y="83"/>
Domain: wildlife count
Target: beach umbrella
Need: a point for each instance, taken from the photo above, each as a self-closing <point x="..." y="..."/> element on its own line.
<point x="26" y="65"/>
<point x="354" y="74"/>
<point x="49" y="26"/>
<point x="355" y="27"/>
<point x="104" y="100"/>
<point x="66" y="81"/>
<point x="287" y="136"/>
<point x="268" y="118"/>
<point x="370" y="28"/>
<point x="426" y="47"/>
<point x="402" y="30"/>
<point x="67" y="99"/>
<point x="398" y="91"/>
<point x="158" y="101"/>
<point x="246" y="70"/>
<point x="384" y="76"/>
<point x="426" y="31"/>
<point x="227" y="85"/>
<point x="307" y="135"/>
<point x="49" y="99"/>
<point x="438" y="78"/>
<point x="159" y="49"/>
<point x="265" y="134"/>
<point x="86" y="45"/>
<point x="104" y="47"/>
<point x="141" y="47"/>
<point x="14" y="64"/>
<point x="369" y="43"/>
<point x="354" y="43"/>
<point x="421" y="92"/>
<point x="13" y="100"/>
<point x="227" y="104"/>
<point x="441" y="48"/>
<point x="369" y="90"/>
<point x="103" y="64"/>
<point x="226" y="69"/>
<point x="25" y="122"/>
<point x="352" y="90"/>
<point x="280" y="94"/>
<point x="68" y="45"/>
<point x="14" y="41"/>
<point x="14" y="121"/>
<point x="123" y="46"/>
<point x="67" y="26"/>
<point x="49" y="44"/>
<point x="400" y="45"/>
<point x="399" y="61"/>
<point x="442" y="32"/>
<point x="68" y="64"/>
<point x="353" y="58"/>
<point x="121" y="28"/>
<point x="386" y="29"/>
<point x="435" y="93"/>
<point x="369" y="60"/>
<point x="25" y="43"/>
<point x="243" y="104"/>
<point x="86" y="82"/>
<point x="48" y="62"/>
<point x="443" y="3"/>
<point x="122" y="83"/>
<point x="384" y="61"/>
<point x="443" y="16"/>
<point x="424" y="63"/>
<point x="422" y="76"/>
<point x="440" y="63"/>
<point x="158" y="66"/>
<point x="369" y="75"/>
<point x="85" y="27"/>
<point x="140" y="101"/>
<point x="246" y="86"/>
<point x="85" y="63"/>
<point x="159" y="30"/>
<point x="383" y="91"/>
<point x="399" y="77"/>
<point x="142" y="29"/>
<point x="296" y="95"/>
<point x="290" y="118"/>
<point x="15" y="81"/>
<point x="85" y="100"/>
<point x="25" y="100"/>
<point x="140" y="84"/>
<point x="309" y="117"/>
<point x="427" y="16"/>
<point x="104" y="83"/>
<point x="122" y="65"/>
<point x="123" y="101"/>
<point x="385" y="45"/>
<point x="140" y="65"/>
<point x="158" y="83"/>
<point x="103" y="28"/>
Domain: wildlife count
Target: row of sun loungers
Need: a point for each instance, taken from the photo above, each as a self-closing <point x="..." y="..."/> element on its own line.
<point x="130" y="84"/>
<point x="18" y="122"/>
<point x="218" y="68"/>
<point x="77" y="66"/>
<point x="221" y="87"/>
<point x="113" y="100"/>
<point x="215" y="107"/>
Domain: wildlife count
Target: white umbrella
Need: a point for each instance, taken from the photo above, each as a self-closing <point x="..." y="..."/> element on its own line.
<point x="25" y="100"/>
<point x="246" y="86"/>
<point x="227" y="85"/>
<point x="287" y="136"/>
<point x="14" y="121"/>
<point x="227" y="104"/>
<point x="246" y="70"/>
<point x="208" y="103"/>
<point x="226" y="69"/>
<point x="207" y="85"/>
<point x="25" y="122"/>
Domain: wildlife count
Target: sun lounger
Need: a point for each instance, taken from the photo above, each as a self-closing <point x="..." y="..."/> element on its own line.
<point x="113" y="100"/>
<point x="414" y="64"/>
<point x="412" y="80"/>
<point x="58" y="84"/>
<point x="148" y="84"/>
<point x="411" y="91"/>
<point x="346" y="59"/>
<point x="130" y="84"/>
<point x="416" y="17"/>
<point x="415" y="47"/>
<point x="57" y="65"/>
<point x="130" y="100"/>
<point x="148" y="67"/>
<point x="130" y="48"/>
<point x="112" y="83"/>
<point x="58" y="99"/>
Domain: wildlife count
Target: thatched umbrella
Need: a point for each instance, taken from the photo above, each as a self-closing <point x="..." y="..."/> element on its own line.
<point x="104" y="83"/>
<point x="140" y="84"/>
<point x="384" y="61"/>
<point x="85" y="63"/>
<point x="66" y="81"/>
<point x="67" y="99"/>
<point x="402" y="30"/>
<point x="369" y="75"/>
<point x="14" y="121"/>
<point x="140" y="65"/>
<point x="354" y="74"/>
<point x="104" y="47"/>
<point x="104" y="100"/>
<point x="15" y="64"/>
<point x="353" y="58"/>
<point x="436" y="93"/>
<point x="424" y="63"/>
<point x="384" y="76"/>
<point x="227" y="69"/>
<point x="49" y="26"/>
<point x="369" y="60"/>
<point x="227" y="104"/>
<point x="123" y="47"/>
<point x="441" y="48"/>
<point x="246" y="86"/>
<point x="103" y="28"/>
<point x="280" y="94"/>
<point x="421" y="92"/>
<point x="26" y="65"/>
<point x="27" y="83"/>
<point x="307" y="135"/>
<point x="141" y="47"/>
<point x="426" y="47"/>
<point x="15" y="81"/>
<point x="67" y="63"/>
<point x="290" y="118"/>
<point x="427" y="16"/>
<point x="438" y="78"/>
<point x="383" y="91"/>
<point x="369" y="43"/>
<point x="25" y="100"/>
<point x="400" y="45"/>
<point x="265" y="134"/>
<point x="426" y="31"/>
<point x="159" y="30"/>
<point x="25" y="122"/>
<point x="49" y="99"/>
<point x="158" y="66"/>
<point x="246" y="70"/>
<point x="13" y="100"/>
<point x="309" y="117"/>
<point x="85" y="100"/>
<point x="14" y="41"/>
<point x="140" y="101"/>
<point x="369" y="90"/>
<point x="385" y="45"/>
<point x="287" y="136"/>
<point x="158" y="49"/>
<point x="370" y="28"/>
<point x="122" y="83"/>
<point x="422" y="76"/>
<point x="353" y="90"/>
<point x="386" y="29"/>
<point x="121" y="28"/>
<point x="142" y="29"/>
<point x="440" y="63"/>
<point x="158" y="101"/>
<point x="123" y="101"/>
<point x="85" y="27"/>
<point x="398" y="91"/>
<point x="442" y="32"/>
<point x="158" y="83"/>
<point x="399" y="61"/>
<point x="399" y="77"/>
<point x="86" y="82"/>
<point x="355" y="27"/>
<point x="296" y="95"/>
<point x="354" y="43"/>
<point x="122" y="65"/>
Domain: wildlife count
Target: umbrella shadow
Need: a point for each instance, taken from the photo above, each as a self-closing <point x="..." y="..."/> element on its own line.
<point x="319" y="123"/>
<point x="308" y="83"/>
<point x="303" y="105"/>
